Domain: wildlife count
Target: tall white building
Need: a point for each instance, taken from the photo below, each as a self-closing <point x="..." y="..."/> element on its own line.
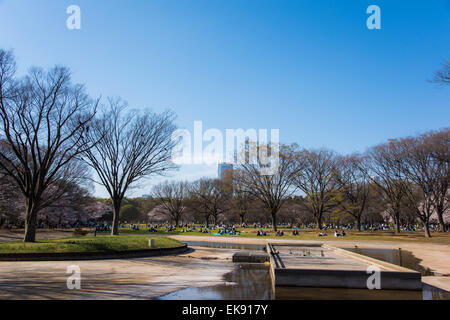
<point x="224" y="168"/>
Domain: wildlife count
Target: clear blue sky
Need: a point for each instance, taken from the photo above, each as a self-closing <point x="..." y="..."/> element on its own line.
<point x="309" y="68"/>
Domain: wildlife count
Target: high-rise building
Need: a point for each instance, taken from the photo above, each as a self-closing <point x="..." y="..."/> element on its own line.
<point x="224" y="170"/>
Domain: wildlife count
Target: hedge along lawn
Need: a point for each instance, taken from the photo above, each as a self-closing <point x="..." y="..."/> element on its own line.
<point x="89" y="244"/>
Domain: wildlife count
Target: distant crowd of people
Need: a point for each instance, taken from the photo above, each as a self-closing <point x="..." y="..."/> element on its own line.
<point x="339" y="230"/>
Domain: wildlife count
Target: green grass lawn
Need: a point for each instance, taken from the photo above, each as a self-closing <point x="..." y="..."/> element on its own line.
<point x="88" y="244"/>
<point x="308" y="234"/>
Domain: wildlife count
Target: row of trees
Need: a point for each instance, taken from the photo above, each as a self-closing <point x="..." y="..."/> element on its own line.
<point x="54" y="136"/>
<point x="52" y="133"/>
<point x="406" y="179"/>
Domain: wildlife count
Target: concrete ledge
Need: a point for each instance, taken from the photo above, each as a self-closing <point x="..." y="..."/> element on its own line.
<point x="249" y="256"/>
<point x="369" y="260"/>
<point x="442" y="283"/>
<point x="392" y="277"/>
<point x="344" y="279"/>
<point x="98" y="255"/>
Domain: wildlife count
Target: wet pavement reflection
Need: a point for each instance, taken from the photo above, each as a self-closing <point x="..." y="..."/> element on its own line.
<point x="398" y="257"/>
<point x="253" y="282"/>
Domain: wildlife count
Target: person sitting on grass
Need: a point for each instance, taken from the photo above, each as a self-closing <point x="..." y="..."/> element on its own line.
<point x="295" y="233"/>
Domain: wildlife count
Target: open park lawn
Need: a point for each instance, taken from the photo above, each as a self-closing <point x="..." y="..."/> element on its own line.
<point x="309" y="234"/>
<point x="101" y="243"/>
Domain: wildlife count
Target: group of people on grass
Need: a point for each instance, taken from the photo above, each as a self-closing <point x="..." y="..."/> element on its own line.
<point x="228" y="230"/>
<point x="280" y="233"/>
<point x="231" y="229"/>
<point x="337" y="234"/>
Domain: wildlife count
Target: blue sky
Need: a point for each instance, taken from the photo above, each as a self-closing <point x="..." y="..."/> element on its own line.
<point x="309" y="68"/>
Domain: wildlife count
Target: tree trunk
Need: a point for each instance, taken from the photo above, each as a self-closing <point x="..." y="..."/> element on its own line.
<point x="242" y="218"/>
<point x="358" y="223"/>
<point x="426" y="227"/>
<point x="274" y="221"/>
<point x="397" y="227"/>
<point x="396" y="218"/>
<point x="115" y="223"/>
<point x="441" y="221"/>
<point x="397" y="222"/>
<point x="30" y="221"/>
<point x="319" y="222"/>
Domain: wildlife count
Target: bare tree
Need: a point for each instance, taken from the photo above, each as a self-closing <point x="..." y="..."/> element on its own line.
<point x="43" y="118"/>
<point x="70" y="208"/>
<point x="315" y="176"/>
<point x="132" y="146"/>
<point x="11" y="200"/>
<point x="354" y="186"/>
<point x="171" y="197"/>
<point x="375" y="208"/>
<point x="426" y="178"/>
<point x="210" y="198"/>
<point x="438" y="144"/>
<point x="381" y="166"/>
<point x="274" y="189"/>
<point x="242" y="201"/>
<point x="301" y="211"/>
<point x="69" y="204"/>
<point x="442" y="76"/>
